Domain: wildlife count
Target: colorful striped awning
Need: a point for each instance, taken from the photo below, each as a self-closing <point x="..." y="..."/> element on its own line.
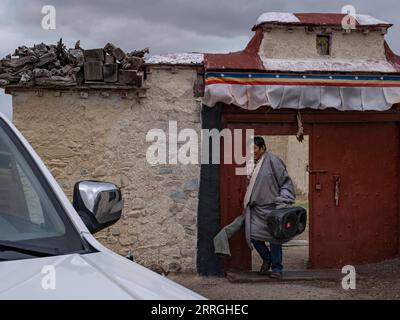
<point x="302" y="79"/>
<point x="298" y="91"/>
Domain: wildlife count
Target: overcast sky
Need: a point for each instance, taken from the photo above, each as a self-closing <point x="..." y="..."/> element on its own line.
<point x="163" y="25"/>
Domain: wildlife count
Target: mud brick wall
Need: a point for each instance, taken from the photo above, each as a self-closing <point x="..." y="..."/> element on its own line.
<point x="101" y="135"/>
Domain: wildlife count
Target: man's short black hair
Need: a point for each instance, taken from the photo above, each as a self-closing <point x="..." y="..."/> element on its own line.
<point x="260" y="142"/>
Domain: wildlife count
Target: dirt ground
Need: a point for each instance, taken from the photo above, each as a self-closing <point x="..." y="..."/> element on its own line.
<point x="374" y="281"/>
<point x="377" y="281"/>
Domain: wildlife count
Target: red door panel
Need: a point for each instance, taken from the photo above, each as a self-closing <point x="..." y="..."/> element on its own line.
<point x="363" y="226"/>
<point x="233" y="189"/>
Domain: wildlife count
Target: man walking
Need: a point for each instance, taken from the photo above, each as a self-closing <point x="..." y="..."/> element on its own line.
<point x="269" y="188"/>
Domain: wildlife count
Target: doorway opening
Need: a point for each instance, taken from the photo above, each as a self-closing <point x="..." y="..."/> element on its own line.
<point x="345" y="188"/>
<point x="295" y="155"/>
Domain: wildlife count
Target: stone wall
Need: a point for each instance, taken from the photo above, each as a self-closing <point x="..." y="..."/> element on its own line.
<point x="281" y="44"/>
<point x="101" y="135"/>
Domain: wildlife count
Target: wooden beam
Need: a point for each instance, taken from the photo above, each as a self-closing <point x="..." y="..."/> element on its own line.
<point x="265" y="114"/>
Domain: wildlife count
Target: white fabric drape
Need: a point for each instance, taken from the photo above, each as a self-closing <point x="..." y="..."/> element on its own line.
<point x="251" y="97"/>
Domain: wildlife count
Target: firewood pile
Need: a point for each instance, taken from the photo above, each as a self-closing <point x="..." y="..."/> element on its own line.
<point x="56" y="66"/>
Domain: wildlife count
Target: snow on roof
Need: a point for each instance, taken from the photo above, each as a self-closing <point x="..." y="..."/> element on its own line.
<point x="276" y="17"/>
<point x="316" y="19"/>
<point x="365" y="20"/>
<point x="176" y="58"/>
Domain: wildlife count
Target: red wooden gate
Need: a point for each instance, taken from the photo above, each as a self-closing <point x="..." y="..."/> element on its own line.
<point x="233" y="189"/>
<point x="354" y="185"/>
<point x="354" y="193"/>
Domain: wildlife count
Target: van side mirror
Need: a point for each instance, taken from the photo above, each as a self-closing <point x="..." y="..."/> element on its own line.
<point x="99" y="204"/>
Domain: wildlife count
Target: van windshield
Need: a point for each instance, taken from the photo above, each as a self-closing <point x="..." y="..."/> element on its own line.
<point x="30" y="214"/>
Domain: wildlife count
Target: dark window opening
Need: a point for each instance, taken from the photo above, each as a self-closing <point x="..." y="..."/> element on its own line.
<point x="324" y="45"/>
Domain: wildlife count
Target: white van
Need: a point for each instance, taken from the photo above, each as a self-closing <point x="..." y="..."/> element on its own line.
<point x="47" y="250"/>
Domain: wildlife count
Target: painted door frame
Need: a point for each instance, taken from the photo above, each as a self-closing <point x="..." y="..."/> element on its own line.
<point x="284" y="122"/>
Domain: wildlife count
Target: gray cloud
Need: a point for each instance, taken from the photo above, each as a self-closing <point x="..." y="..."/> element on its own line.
<point x="163" y="25"/>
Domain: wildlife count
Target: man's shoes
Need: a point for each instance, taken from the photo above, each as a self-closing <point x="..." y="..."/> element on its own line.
<point x="276" y="275"/>
<point x="265" y="268"/>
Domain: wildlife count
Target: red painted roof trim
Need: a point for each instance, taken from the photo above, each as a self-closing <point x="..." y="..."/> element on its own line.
<point x="392" y="57"/>
<point x="333" y="19"/>
<point x="249" y="60"/>
<point x="321" y="19"/>
<point x="246" y="59"/>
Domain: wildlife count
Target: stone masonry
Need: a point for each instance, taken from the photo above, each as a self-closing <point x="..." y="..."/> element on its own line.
<point x="101" y="135"/>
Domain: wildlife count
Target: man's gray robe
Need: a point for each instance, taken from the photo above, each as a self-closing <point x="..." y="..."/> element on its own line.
<point x="272" y="189"/>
